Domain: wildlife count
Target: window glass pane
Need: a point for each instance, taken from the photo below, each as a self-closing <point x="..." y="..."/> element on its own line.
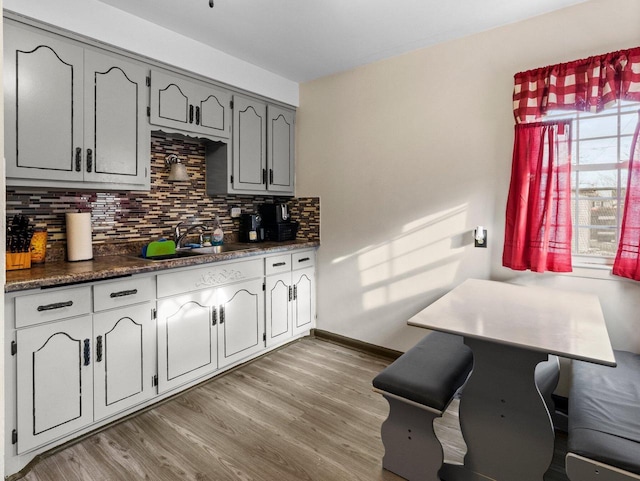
<point x="598" y="127"/>
<point x="628" y="123"/>
<point x="626" y="106"/>
<point x="625" y="147"/>
<point x="601" y="151"/>
<point x="598" y="183"/>
<point x="595" y="241"/>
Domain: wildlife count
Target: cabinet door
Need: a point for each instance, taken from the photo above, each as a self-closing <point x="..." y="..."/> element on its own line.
<point x="241" y="321"/>
<point x="116" y="132"/>
<point x="304" y="300"/>
<point x="189" y="106"/>
<point x="55" y="395"/>
<point x="279" y="294"/>
<point x="43" y="83"/>
<point x="280" y="150"/>
<point x="212" y="114"/>
<point x="249" y="144"/>
<point x="124" y="358"/>
<point x="187" y="338"/>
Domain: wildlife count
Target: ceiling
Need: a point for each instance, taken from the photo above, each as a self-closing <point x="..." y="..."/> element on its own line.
<point x="302" y="40"/>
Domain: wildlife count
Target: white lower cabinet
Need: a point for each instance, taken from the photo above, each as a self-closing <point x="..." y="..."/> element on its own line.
<point x="241" y="321"/>
<point x="290" y="296"/>
<point x="87" y="354"/>
<point x="55" y="378"/>
<point x="205" y="330"/>
<point x="187" y="338"/>
<point x="304" y="300"/>
<point x="124" y="359"/>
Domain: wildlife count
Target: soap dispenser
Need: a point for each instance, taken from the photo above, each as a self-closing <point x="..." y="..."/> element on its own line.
<point x="217" y="237"/>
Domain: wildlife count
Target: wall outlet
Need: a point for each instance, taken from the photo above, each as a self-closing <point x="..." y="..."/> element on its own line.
<point x="235" y="212"/>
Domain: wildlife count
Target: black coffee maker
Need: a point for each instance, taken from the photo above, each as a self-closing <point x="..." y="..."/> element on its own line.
<point x="251" y="229"/>
<point x="277" y="222"/>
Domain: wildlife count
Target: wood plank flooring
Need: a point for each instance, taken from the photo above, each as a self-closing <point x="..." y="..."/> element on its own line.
<point x="303" y="413"/>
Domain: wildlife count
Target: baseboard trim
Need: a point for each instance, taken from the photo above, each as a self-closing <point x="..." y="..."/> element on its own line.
<point x="356" y="344"/>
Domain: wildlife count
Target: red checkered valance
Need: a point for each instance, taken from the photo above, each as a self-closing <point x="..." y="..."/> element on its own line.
<point x="588" y="85"/>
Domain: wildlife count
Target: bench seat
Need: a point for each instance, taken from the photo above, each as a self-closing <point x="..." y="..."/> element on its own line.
<point x="430" y="372"/>
<point x="604" y="417"/>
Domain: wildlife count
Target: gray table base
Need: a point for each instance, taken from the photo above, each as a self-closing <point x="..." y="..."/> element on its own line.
<point x="503" y="417"/>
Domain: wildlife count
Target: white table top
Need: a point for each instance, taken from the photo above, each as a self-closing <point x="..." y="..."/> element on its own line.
<point x="568" y="324"/>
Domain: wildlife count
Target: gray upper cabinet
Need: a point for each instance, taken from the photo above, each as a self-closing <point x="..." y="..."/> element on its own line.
<point x="189" y="106"/>
<point x="280" y="149"/>
<point x="249" y="144"/>
<point x="260" y="159"/>
<point x="74" y="117"/>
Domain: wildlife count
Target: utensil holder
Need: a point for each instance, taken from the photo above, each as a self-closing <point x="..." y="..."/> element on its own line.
<point x="18" y="260"/>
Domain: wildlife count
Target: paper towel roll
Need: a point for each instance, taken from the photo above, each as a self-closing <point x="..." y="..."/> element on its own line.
<point x="79" y="245"/>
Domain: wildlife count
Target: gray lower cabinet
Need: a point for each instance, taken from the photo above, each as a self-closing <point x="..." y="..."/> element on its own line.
<point x="261" y="159"/>
<point x="74" y="116"/>
<point x="124" y="360"/>
<point x="240" y="321"/>
<point x="55" y="380"/>
<point x="189" y="105"/>
<point x="290" y="296"/>
<point x="187" y="338"/>
<point x="74" y="368"/>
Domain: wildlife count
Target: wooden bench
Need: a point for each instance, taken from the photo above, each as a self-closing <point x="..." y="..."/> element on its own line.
<point x="419" y="386"/>
<point x="604" y="421"/>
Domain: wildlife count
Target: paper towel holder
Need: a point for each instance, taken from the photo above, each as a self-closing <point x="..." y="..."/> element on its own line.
<point x="178" y="172"/>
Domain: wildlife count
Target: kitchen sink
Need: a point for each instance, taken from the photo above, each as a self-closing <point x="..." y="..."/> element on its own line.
<point x="169" y="257"/>
<point x="220" y="249"/>
<point x="198" y="251"/>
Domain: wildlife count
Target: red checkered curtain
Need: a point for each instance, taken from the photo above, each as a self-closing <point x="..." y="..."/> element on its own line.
<point x="538" y="218"/>
<point x="588" y="85"/>
<point x="627" y="263"/>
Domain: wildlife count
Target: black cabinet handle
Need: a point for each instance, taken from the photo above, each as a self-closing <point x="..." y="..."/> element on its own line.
<point x="271" y="176"/>
<point x="190" y="114"/>
<point x="278" y="264"/>
<point x="89" y="160"/>
<point x="290" y="294"/>
<point x="130" y="292"/>
<point x="295" y="293"/>
<point x="221" y="314"/>
<point x="214" y="317"/>
<point x="264" y="176"/>
<point x="87" y="352"/>
<point x="197" y="115"/>
<point x="304" y="259"/>
<point x="55" y="305"/>
<point x="78" y="159"/>
<point x="99" y="349"/>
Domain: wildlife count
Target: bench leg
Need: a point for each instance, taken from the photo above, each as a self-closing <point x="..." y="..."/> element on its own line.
<point x="412" y="449"/>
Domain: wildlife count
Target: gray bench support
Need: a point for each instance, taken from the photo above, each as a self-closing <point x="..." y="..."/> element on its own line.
<point x="419" y="386"/>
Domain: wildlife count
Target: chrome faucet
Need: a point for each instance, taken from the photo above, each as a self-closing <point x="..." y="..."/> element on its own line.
<point x="179" y="236"/>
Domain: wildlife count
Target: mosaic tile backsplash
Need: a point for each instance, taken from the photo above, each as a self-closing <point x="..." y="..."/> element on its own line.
<point x="126" y="220"/>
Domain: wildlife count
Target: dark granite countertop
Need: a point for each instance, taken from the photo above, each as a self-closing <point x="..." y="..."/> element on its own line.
<point x="56" y="274"/>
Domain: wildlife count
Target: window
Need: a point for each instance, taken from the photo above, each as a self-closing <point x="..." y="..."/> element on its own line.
<point x="601" y="145"/>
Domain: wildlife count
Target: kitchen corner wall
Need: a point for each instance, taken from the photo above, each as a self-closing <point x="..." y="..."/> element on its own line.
<point x="125" y="219"/>
<point x="409" y="154"/>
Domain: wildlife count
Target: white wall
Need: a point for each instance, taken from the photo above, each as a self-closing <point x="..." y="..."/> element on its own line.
<point x="409" y="154"/>
<point x="110" y="25"/>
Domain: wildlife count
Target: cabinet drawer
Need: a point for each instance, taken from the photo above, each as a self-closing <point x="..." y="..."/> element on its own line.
<point x="300" y="260"/>
<point x="109" y="295"/>
<point x="277" y="264"/>
<point x="213" y="275"/>
<point x="48" y="306"/>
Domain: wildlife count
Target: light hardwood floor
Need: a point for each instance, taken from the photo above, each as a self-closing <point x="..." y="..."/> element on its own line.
<point x="304" y="412"/>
